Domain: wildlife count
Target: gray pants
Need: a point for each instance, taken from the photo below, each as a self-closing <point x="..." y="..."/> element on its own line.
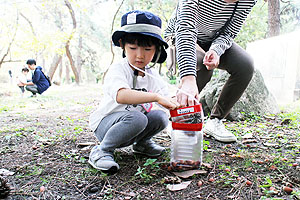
<point x="121" y="129"/>
<point x="32" y="88"/>
<point x="238" y="63"/>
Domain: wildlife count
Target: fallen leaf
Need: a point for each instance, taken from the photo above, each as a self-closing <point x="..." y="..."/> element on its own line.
<point x="189" y="173"/>
<point x="286" y="121"/>
<point x="273" y="190"/>
<point x="249" y="141"/>
<point x="207" y="165"/>
<point x="295" y="164"/>
<point x="247" y="136"/>
<point x="273" y="167"/>
<point x="84" y="149"/>
<point x="44" y="140"/>
<point x="236" y="156"/>
<point x="231" y="197"/>
<point x="271" y="144"/>
<point x="171" y="180"/>
<point x="5" y="172"/>
<point x="180" y="186"/>
<point x="84" y="144"/>
<point x="132" y="194"/>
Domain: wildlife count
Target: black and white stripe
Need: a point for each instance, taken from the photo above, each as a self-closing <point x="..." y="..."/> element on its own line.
<point x="199" y="20"/>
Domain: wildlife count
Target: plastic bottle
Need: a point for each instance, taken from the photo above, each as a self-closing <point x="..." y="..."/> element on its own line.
<point x="187" y="138"/>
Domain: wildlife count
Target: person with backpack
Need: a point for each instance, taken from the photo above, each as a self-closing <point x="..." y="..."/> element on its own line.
<point x="40" y="83"/>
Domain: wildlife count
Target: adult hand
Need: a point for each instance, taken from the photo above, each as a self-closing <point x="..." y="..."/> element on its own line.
<point x="211" y="60"/>
<point x="188" y="91"/>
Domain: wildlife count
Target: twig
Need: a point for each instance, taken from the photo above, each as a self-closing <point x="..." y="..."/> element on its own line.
<point x="208" y="195"/>
<point x="78" y="190"/>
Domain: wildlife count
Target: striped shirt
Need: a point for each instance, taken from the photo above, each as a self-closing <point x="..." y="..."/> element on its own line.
<point x="199" y="20"/>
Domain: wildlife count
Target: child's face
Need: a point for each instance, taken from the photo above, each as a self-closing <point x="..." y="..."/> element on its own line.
<point x="139" y="56"/>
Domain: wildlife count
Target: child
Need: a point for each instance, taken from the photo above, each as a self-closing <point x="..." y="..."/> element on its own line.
<point x="125" y="116"/>
<point x="22" y="80"/>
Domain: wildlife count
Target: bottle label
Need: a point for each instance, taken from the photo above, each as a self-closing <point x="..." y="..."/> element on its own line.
<point x="186" y="110"/>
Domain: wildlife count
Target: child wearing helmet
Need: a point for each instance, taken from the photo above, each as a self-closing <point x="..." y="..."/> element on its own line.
<point x="125" y="116"/>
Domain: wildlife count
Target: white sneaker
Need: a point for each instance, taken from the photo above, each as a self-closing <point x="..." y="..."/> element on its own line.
<point x="216" y="129"/>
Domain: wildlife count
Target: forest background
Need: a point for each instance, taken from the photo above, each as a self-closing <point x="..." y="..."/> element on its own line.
<point x="71" y="39"/>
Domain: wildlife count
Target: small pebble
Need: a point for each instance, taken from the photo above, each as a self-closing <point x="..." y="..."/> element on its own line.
<point x="94" y="189"/>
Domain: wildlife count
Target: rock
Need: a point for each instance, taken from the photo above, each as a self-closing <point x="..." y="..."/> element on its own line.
<point x="256" y="100"/>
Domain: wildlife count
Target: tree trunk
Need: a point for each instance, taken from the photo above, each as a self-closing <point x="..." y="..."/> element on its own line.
<point x="79" y="59"/>
<point x="11" y="42"/>
<point x="60" y="72"/>
<point x="69" y="55"/>
<point x="56" y="60"/>
<point x="67" y="73"/>
<point x="111" y="44"/>
<point x="67" y="47"/>
<point x="274" y="18"/>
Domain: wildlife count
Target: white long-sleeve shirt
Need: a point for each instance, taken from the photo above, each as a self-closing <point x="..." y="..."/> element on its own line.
<point x="199" y="20"/>
<point x="120" y="75"/>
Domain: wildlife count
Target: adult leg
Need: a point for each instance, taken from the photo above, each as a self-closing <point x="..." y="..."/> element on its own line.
<point x="32" y="88"/>
<point x="238" y="63"/>
<point x="203" y="75"/>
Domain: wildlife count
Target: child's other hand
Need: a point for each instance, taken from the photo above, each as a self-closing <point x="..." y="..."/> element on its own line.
<point x="169" y="103"/>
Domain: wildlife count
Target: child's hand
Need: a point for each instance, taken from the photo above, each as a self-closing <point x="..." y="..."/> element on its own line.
<point x="169" y="103"/>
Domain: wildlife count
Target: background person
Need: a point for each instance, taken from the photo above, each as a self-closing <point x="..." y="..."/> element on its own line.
<point x="22" y="80"/>
<point x="212" y="25"/>
<point x="39" y="82"/>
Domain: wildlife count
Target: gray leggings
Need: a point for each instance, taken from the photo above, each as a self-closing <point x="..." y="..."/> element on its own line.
<point x="121" y="129"/>
<point x="238" y="63"/>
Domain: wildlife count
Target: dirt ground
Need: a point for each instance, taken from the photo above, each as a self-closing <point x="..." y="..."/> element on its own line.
<point x="45" y="143"/>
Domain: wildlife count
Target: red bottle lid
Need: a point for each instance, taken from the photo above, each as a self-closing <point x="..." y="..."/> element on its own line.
<point x="186" y="111"/>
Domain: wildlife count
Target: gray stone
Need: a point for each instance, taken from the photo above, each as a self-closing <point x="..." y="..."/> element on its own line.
<point x="256" y="100"/>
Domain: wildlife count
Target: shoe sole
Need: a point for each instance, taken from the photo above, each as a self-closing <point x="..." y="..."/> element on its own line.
<point x="219" y="138"/>
<point x="145" y="154"/>
<point x="110" y="170"/>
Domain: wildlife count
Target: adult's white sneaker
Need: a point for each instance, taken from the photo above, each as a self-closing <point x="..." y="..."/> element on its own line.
<point x="215" y="128"/>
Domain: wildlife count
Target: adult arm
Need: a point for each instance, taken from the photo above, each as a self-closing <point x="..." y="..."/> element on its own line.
<point x="225" y="39"/>
<point x="36" y="76"/>
<point x="186" y="39"/>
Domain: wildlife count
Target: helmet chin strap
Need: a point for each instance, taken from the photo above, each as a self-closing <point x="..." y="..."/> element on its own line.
<point x="157" y="58"/>
<point x="136" y="70"/>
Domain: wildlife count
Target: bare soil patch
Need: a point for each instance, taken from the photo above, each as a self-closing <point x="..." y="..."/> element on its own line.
<point x="45" y="142"/>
